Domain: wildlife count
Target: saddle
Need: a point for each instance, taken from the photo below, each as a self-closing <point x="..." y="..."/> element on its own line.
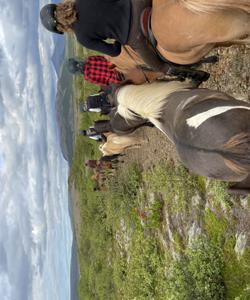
<point x="145" y="24"/>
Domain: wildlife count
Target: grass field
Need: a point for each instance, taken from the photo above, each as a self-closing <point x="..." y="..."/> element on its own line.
<point x="159" y="233"/>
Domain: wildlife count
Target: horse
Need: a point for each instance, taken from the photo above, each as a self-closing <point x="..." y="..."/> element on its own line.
<point x="187" y="30"/>
<point x="134" y="69"/>
<point x="117" y="144"/>
<point x="210" y="129"/>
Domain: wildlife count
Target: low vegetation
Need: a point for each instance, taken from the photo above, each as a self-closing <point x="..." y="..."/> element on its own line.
<point x="159" y="233"/>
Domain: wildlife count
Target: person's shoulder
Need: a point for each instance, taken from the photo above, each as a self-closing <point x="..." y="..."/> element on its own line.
<point x="96" y="58"/>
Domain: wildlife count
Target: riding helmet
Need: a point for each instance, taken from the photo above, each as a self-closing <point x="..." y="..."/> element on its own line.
<point x="47" y="16"/>
<point x="83" y="132"/>
<point x="75" y="66"/>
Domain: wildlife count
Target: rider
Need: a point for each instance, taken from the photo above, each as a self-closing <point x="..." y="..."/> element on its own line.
<point x="95" y="21"/>
<point x="95" y="69"/>
<point x="92" y="134"/>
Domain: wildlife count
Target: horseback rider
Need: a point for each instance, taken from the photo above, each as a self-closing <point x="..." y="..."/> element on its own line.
<point x="92" y="134"/>
<point x="98" y="103"/>
<point x="95" y="69"/>
<point x="97" y="20"/>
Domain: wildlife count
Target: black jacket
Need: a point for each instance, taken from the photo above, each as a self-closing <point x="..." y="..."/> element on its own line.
<point x="99" y="20"/>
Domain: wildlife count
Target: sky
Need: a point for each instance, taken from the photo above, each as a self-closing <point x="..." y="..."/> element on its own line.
<point x="35" y="226"/>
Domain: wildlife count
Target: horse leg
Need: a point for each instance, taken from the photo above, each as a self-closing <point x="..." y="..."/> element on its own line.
<point x="242" y="187"/>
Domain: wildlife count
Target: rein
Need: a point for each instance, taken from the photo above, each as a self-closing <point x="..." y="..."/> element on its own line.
<point x="136" y="63"/>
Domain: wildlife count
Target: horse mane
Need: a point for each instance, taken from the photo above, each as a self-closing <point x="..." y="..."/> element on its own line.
<point x="116" y="144"/>
<point x="128" y="59"/>
<point x="208" y="6"/>
<point x="147" y="100"/>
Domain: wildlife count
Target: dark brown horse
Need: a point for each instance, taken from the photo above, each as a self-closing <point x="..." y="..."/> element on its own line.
<point x="210" y="129"/>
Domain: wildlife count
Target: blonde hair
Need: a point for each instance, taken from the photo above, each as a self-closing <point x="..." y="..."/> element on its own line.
<point x="65" y="15"/>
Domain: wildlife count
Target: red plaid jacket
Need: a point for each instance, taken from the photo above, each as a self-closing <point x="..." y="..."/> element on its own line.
<point x="97" y="69"/>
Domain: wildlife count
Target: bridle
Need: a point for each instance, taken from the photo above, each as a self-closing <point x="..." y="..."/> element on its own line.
<point x="137" y="64"/>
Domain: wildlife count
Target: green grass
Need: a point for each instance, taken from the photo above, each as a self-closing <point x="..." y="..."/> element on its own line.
<point x="122" y="258"/>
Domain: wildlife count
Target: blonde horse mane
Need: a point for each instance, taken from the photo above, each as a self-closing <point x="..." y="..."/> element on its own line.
<point x="207" y="6"/>
<point x="116" y="144"/>
<point x="147" y="100"/>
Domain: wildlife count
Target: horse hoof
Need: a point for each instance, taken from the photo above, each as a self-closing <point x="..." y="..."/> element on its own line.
<point x="210" y="59"/>
<point x="214" y="59"/>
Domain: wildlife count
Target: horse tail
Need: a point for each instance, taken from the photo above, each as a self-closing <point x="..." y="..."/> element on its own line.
<point x="235" y="152"/>
<point x="207" y="6"/>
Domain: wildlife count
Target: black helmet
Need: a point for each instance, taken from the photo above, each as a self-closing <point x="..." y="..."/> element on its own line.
<point x="75" y="66"/>
<point x="47" y="16"/>
<point x="83" y="132"/>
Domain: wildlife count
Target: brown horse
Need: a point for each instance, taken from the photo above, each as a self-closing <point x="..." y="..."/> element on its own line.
<point x="117" y="144"/>
<point x="210" y="129"/>
<point x="186" y="30"/>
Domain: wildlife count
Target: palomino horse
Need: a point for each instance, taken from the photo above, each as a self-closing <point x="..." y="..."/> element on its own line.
<point x="186" y="30"/>
<point x="117" y="144"/>
<point x="210" y="129"/>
